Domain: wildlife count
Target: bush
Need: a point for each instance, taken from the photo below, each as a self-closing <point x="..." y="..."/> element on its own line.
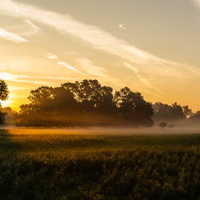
<point x="163" y="124"/>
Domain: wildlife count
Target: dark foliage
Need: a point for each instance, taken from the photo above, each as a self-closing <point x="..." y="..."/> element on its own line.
<point x="3" y="90"/>
<point x="2" y="117"/>
<point x="170" y="112"/>
<point x="3" y="96"/>
<point x="163" y="124"/>
<point x="143" y="172"/>
<point x="195" y="116"/>
<point x="85" y="103"/>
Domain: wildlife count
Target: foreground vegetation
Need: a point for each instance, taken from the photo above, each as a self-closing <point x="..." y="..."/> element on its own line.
<point x="94" y="166"/>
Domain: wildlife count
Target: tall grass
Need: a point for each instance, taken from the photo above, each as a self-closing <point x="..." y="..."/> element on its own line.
<point x="99" y="167"/>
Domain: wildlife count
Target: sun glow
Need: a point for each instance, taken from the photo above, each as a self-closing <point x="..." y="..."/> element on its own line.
<point x="6" y="103"/>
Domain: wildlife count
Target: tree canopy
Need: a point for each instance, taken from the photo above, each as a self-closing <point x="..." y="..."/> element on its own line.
<point x="85" y="103"/>
<point x="170" y="112"/>
<point x="3" y="96"/>
<point x="88" y="103"/>
<point x="3" y="90"/>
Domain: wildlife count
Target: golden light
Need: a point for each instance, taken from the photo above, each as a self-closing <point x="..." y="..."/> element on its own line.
<point x="8" y="102"/>
<point x="5" y="103"/>
<point x="6" y="76"/>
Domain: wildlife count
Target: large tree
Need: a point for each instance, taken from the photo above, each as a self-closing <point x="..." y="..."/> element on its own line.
<point x="3" y="96"/>
<point x="85" y="103"/>
<point x="3" y="90"/>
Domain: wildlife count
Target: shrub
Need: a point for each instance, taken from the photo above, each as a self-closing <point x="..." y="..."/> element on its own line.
<point x="163" y="124"/>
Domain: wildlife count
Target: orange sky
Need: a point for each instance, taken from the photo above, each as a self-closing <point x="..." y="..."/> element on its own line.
<point x="149" y="46"/>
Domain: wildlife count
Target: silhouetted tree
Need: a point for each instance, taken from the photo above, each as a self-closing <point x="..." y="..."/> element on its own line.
<point x="91" y="95"/>
<point x="41" y="98"/>
<point x="95" y="100"/>
<point x="195" y="116"/>
<point x="177" y="112"/>
<point x="2" y="116"/>
<point x="187" y="111"/>
<point x="84" y="103"/>
<point x="161" y="111"/>
<point x="170" y="126"/>
<point x="10" y="115"/>
<point x="3" y="90"/>
<point x="168" y="112"/>
<point x="132" y="107"/>
<point x="62" y="99"/>
<point x="3" y="96"/>
<point x="163" y="124"/>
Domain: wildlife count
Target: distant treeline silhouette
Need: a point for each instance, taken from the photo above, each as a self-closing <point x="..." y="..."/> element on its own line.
<point x="88" y="103"/>
<point x="174" y="112"/>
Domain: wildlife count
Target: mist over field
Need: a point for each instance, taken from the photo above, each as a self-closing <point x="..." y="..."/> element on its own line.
<point x="179" y="127"/>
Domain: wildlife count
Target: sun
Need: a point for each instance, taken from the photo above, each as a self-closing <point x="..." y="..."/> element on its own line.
<point x="8" y="102"/>
<point x="5" y="103"/>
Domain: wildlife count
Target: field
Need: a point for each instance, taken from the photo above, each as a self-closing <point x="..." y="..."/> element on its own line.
<point x="98" y="164"/>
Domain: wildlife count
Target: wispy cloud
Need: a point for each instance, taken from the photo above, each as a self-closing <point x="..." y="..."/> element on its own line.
<point x="97" y="71"/>
<point x="26" y="78"/>
<point x="32" y="28"/>
<point x="99" y="40"/>
<point x="50" y="55"/>
<point x="64" y="64"/>
<point x="11" y="36"/>
<point x="94" y="36"/>
<point x="142" y="79"/>
<point x="131" y="67"/>
<point x="25" y="28"/>
<point x="196" y="3"/>
<point x="121" y="26"/>
<point x="56" y="78"/>
<point x="90" y="68"/>
<point x="20" y="78"/>
<point x="11" y="77"/>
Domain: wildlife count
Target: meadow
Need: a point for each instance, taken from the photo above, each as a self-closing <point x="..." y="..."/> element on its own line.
<point x="98" y="165"/>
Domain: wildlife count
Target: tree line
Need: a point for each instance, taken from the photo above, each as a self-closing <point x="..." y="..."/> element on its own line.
<point x="85" y="103"/>
<point x="88" y="103"/>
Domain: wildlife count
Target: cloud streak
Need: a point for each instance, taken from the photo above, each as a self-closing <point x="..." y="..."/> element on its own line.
<point x="29" y="79"/>
<point x="92" y="69"/>
<point x="11" y="77"/>
<point x="142" y="79"/>
<point x="131" y="67"/>
<point x="97" y="71"/>
<point x="100" y="40"/>
<point x="196" y="3"/>
<point x="51" y="56"/>
<point x="19" y="78"/>
<point x="11" y="36"/>
<point x="25" y="28"/>
<point x="92" y="35"/>
<point x="64" y="64"/>
<point x="32" y="29"/>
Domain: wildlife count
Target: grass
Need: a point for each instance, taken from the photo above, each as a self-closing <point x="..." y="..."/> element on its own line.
<point x="96" y="165"/>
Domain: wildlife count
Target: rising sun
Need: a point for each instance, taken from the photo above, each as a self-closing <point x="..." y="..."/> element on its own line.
<point x="5" y="103"/>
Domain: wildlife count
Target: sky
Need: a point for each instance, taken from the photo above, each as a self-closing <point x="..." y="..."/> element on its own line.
<point x="150" y="46"/>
